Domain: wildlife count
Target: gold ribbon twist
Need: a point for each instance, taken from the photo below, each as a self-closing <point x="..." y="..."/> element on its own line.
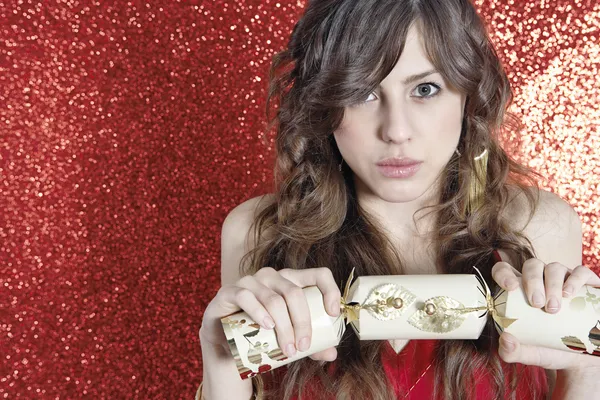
<point x="349" y="311"/>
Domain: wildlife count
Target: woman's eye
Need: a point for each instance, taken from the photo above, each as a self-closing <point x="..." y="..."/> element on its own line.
<point x="370" y="94"/>
<point x="365" y="101"/>
<point x="425" y="90"/>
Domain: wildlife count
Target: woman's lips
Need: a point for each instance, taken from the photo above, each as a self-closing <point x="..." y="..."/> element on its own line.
<point x="399" y="171"/>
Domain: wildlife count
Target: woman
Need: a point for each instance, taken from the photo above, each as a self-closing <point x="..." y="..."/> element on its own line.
<point x="388" y="162"/>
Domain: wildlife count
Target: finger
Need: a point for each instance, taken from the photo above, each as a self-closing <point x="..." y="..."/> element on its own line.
<point x="329" y="354"/>
<point x="228" y="300"/>
<point x="533" y="282"/>
<point x="277" y="308"/>
<point x="505" y="275"/>
<point x="554" y="278"/>
<point x="580" y="276"/>
<point x="511" y="351"/>
<point x="298" y="310"/>
<point x="323" y="279"/>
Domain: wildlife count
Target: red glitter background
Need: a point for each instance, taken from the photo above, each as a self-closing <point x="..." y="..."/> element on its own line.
<point x="130" y="129"/>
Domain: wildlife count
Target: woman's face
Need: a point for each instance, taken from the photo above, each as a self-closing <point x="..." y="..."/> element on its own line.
<point x="418" y="122"/>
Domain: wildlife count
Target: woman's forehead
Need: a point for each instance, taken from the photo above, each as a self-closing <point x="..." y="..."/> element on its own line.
<point x="412" y="61"/>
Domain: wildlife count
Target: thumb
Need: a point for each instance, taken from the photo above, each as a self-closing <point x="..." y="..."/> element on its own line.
<point x="512" y="351"/>
<point x="329" y="354"/>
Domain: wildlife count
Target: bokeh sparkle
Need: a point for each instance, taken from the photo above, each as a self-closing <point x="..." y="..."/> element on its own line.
<point x="130" y="129"/>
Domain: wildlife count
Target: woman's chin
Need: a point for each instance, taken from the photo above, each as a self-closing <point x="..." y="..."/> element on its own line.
<point x="398" y="198"/>
<point x="395" y="190"/>
<point x="400" y="194"/>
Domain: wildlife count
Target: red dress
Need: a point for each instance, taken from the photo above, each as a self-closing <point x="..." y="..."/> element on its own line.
<point x="411" y="373"/>
<point x="411" y="370"/>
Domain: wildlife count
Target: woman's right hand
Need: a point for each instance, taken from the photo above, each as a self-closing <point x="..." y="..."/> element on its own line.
<point x="274" y="298"/>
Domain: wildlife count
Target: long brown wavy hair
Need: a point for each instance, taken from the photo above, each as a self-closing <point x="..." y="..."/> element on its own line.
<point x="338" y="52"/>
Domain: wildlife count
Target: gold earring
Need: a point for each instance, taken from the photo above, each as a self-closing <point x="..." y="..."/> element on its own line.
<point x="340" y="165"/>
<point x="477" y="183"/>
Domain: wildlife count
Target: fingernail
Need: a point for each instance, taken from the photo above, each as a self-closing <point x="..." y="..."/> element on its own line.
<point x="568" y="291"/>
<point x="538" y="299"/>
<point x="303" y="344"/>
<point x="510" y="283"/>
<point x="507" y="344"/>
<point x="290" y="350"/>
<point x="335" y="308"/>
<point x="553" y="305"/>
<point x="268" y="322"/>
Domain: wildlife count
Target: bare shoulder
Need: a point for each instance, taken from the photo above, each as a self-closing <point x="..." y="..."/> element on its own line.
<point x="554" y="229"/>
<point x="235" y="235"/>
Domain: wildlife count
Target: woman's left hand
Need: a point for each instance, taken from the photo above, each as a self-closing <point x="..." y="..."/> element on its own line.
<point x="545" y="285"/>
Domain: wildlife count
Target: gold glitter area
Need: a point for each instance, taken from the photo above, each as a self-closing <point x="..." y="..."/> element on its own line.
<point x="551" y="51"/>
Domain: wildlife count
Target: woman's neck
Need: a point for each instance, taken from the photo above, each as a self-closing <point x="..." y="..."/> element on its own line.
<point x="410" y="234"/>
<point x="400" y="220"/>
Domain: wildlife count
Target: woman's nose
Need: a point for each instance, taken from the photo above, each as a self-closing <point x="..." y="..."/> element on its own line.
<point x="396" y="127"/>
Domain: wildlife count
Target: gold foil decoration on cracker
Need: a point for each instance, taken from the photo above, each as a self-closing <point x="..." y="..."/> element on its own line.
<point x="448" y="314"/>
<point x="388" y="301"/>
<point x="384" y="302"/>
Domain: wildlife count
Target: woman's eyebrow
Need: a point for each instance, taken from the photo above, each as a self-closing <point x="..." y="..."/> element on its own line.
<point x="412" y="78"/>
